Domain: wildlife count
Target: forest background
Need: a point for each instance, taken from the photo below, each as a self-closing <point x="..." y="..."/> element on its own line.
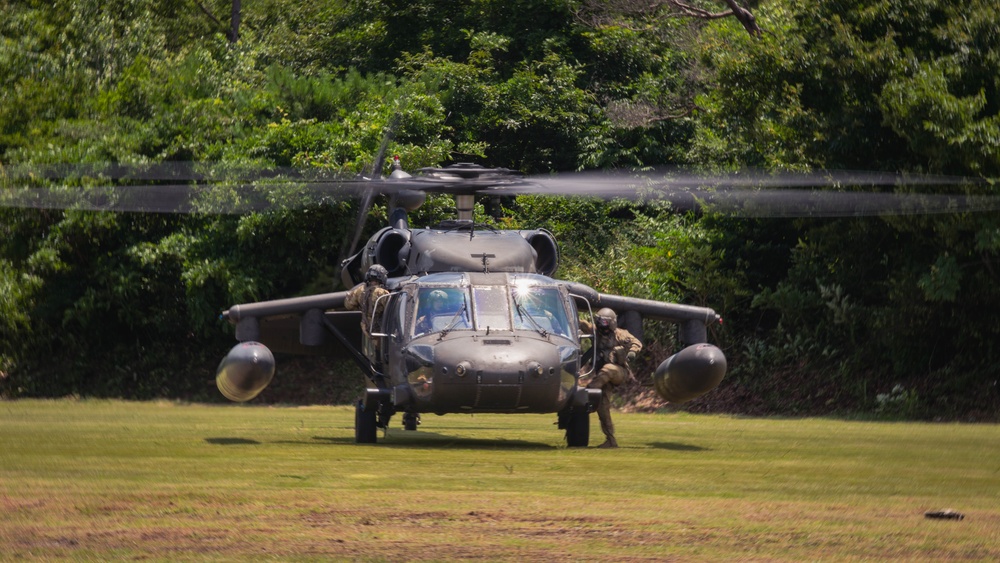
<point x="892" y="316"/>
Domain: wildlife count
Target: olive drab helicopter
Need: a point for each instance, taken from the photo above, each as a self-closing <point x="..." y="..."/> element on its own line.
<point x="474" y="321"/>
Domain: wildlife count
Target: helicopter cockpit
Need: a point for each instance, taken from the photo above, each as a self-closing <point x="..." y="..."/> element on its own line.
<point x="491" y="303"/>
<point x="441" y="309"/>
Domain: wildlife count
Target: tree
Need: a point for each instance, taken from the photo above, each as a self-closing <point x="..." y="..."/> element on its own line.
<point x="862" y="85"/>
<point x="598" y="13"/>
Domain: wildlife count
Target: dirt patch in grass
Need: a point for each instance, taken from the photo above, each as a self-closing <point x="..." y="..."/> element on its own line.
<point x="687" y="530"/>
<point x="403" y="536"/>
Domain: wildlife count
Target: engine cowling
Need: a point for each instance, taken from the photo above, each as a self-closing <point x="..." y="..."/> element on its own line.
<point x="546" y="250"/>
<point x="391" y="250"/>
<point x="690" y="373"/>
<point x="245" y="371"/>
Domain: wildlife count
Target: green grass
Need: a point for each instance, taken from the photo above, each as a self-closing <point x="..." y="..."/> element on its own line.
<point x="164" y="481"/>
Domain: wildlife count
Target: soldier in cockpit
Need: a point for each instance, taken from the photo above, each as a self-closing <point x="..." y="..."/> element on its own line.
<point x="438" y="300"/>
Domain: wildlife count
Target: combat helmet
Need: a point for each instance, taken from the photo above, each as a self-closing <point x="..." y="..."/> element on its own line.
<point x="377" y="272"/>
<point x="606" y="320"/>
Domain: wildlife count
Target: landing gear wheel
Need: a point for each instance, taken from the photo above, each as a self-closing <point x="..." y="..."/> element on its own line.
<point x="411" y="420"/>
<point x="365" y="430"/>
<point x="578" y="428"/>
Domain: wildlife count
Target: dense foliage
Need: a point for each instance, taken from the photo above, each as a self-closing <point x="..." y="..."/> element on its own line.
<point x="891" y="315"/>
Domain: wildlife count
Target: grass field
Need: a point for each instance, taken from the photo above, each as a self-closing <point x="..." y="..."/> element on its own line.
<point x="165" y="481"/>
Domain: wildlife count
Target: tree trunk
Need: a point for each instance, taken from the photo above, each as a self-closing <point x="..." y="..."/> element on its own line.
<point x="234" y="22"/>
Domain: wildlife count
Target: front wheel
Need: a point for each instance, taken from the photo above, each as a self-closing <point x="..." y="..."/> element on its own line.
<point x="365" y="429"/>
<point x="577" y="423"/>
<point x="410" y="421"/>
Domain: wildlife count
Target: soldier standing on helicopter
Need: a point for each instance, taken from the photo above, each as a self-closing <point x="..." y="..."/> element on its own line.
<point x="365" y="297"/>
<point x="615" y="348"/>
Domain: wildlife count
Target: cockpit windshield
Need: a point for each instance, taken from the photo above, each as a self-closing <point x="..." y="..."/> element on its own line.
<point x="539" y="308"/>
<point x="492" y="307"/>
<point x="442" y="309"/>
<point x="525" y="304"/>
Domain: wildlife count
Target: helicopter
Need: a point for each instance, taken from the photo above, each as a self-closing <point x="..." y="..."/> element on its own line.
<point x="505" y="336"/>
<point x="509" y="341"/>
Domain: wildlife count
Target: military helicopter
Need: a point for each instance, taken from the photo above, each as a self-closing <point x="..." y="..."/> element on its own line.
<point x="474" y="322"/>
<point x="506" y="339"/>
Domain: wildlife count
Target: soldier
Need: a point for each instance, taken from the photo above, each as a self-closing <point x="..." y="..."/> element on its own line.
<point x="616" y="348"/>
<point x="365" y="297"/>
<point x="438" y="300"/>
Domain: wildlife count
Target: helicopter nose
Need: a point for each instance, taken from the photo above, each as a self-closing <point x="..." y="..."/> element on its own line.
<point x="495" y="373"/>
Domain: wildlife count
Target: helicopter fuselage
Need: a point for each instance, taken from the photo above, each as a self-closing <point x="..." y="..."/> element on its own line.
<point x="487" y="343"/>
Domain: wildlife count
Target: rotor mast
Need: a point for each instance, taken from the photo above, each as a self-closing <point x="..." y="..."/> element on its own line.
<point x="465" y="204"/>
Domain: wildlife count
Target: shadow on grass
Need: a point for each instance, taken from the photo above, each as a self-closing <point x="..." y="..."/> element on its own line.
<point x="401" y="439"/>
<point x="232" y="441"/>
<point x="678" y="447"/>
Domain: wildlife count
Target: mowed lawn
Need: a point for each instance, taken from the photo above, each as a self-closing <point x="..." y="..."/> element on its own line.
<point x="166" y="481"/>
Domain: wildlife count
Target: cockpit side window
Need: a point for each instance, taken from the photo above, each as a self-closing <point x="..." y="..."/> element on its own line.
<point x="393" y="321"/>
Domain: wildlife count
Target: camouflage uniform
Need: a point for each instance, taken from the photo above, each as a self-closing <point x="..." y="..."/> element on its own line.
<point x="365" y="297"/>
<point x="615" y="349"/>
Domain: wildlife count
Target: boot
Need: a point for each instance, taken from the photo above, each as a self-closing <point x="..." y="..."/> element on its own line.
<point x="609" y="443"/>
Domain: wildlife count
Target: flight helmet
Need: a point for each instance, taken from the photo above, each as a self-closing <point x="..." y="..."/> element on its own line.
<point x="377" y="272"/>
<point x="607" y="321"/>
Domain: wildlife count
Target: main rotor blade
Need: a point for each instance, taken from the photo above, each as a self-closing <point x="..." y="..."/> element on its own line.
<point x="753" y="194"/>
<point x="173" y="187"/>
<point x="379" y="163"/>
<point x="368" y="196"/>
<point x="173" y="171"/>
<point x="215" y="199"/>
<point x="239" y="188"/>
<point x="167" y="198"/>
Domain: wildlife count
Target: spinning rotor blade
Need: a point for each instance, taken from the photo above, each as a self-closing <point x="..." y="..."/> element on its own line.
<point x="224" y="198"/>
<point x="174" y="187"/>
<point x="369" y="195"/>
<point x="232" y="189"/>
<point x="751" y="194"/>
<point x="746" y="194"/>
